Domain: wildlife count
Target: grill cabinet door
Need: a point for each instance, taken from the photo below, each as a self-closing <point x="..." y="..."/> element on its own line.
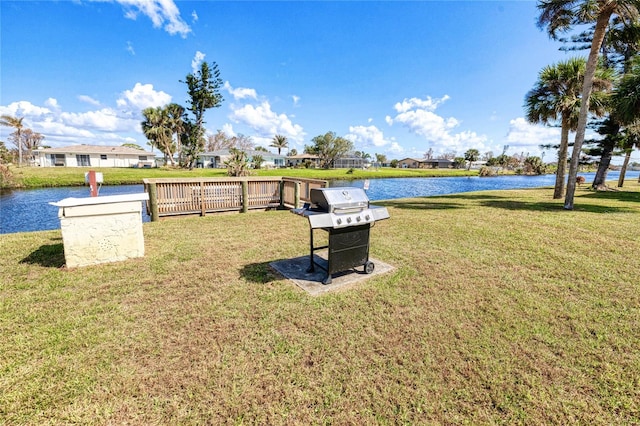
<point x="348" y="247"/>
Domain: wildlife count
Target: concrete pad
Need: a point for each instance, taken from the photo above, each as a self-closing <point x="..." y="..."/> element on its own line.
<point x="311" y="282"/>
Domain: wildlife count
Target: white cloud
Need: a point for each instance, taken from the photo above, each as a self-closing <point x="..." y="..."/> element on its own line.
<point x="296" y="100"/>
<point x="27" y="109"/>
<point x="52" y="129"/>
<point x="228" y="130"/>
<point x="425" y="104"/>
<point x="163" y="14"/>
<point x="130" y="48"/>
<point x="265" y="122"/>
<point x="88" y="99"/>
<point x="395" y="148"/>
<point x="143" y="96"/>
<point x="367" y="136"/>
<point x="240" y="92"/>
<point x="105" y="119"/>
<point x="194" y="16"/>
<point x="418" y="115"/>
<point x="52" y="103"/>
<point x="524" y="134"/>
<point x="197" y="60"/>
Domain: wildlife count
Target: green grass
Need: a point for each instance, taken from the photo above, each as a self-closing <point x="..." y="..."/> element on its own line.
<point x="503" y="309"/>
<point x="42" y="177"/>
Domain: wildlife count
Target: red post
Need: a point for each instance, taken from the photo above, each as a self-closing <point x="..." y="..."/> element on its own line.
<point x="93" y="186"/>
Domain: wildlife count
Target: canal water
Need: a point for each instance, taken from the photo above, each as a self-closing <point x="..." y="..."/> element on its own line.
<point x="29" y="210"/>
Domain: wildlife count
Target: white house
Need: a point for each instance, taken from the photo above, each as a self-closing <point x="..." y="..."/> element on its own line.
<point x="93" y="156"/>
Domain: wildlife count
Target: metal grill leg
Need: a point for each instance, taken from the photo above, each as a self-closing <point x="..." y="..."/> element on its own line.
<point x="311" y="267"/>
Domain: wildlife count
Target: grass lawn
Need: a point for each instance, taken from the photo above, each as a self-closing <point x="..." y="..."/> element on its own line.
<point x="503" y="308"/>
<point x="39" y="177"/>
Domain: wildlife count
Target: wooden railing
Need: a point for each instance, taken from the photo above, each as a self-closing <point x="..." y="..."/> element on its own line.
<point x="169" y="197"/>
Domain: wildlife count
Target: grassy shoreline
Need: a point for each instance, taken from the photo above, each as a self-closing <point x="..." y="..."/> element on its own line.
<point x="503" y="308"/>
<point x="43" y="177"/>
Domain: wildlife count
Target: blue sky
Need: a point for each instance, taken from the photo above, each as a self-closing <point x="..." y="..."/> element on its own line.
<point x="397" y="78"/>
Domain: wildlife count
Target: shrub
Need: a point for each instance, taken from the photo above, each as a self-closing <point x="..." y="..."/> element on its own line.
<point x="6" y="177"/>
<point x="487" y="171"/>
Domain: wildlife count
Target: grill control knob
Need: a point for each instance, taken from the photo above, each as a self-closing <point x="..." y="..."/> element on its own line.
<point x="367" y="218"/>
<point x="338" y="221"/>
<point x="349" y="220"/>
<point x="358" y="218"/>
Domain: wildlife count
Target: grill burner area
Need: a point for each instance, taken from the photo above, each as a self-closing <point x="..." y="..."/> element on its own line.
<point x="346" y="215"/>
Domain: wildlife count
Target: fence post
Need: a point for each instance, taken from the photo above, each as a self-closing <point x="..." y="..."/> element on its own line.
<point x="202" y="203"/>
<point x="296" y="195"/>
<point x="245" y="196"/>
<point x="281" y="195"/>
<point x="153" y="201"/>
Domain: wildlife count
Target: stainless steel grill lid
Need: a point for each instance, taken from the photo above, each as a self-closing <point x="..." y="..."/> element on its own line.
<point x="331" y="199"/>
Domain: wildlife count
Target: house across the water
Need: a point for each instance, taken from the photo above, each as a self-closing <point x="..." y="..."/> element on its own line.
<point x="216" y="159"/>
<point x="413" y="163"/>
<point x="93" y="156"/>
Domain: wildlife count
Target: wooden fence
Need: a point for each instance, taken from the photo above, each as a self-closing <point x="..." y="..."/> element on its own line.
<point x="170" y="197"/>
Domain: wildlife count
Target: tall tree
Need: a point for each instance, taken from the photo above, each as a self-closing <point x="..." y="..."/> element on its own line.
<point x="556" y="97"/>
<point x="279" y="142"/>
<point x="16" y="123"/>
<point x="328" y="148"/>
<point x="203" y="88"/>
<point x="605" y="149"/>
<point x="561" y="16"/>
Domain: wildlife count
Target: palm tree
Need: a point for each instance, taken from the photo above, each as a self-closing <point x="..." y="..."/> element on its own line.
<point x="175" y="114"/>
<point x="156" y="128"/>
<point x="279" y="141"/>
<point x="16" y="123"/>
<point x="556" y="96"/>
<point x="626" y="109"/>
<point x="560" y="16"/>
<point x="471" y="155"/>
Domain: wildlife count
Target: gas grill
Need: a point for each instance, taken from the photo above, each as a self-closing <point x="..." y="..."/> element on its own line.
<point x="347" y="216"/>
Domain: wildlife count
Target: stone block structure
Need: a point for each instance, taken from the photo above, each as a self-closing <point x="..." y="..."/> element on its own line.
<point x="101" y="229"/>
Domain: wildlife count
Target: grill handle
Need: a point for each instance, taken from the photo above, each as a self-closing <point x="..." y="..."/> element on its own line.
<point x="348" y="209"/>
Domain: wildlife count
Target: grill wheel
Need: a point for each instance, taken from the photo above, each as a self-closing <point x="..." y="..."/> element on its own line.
<point x="369" y="267"/>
